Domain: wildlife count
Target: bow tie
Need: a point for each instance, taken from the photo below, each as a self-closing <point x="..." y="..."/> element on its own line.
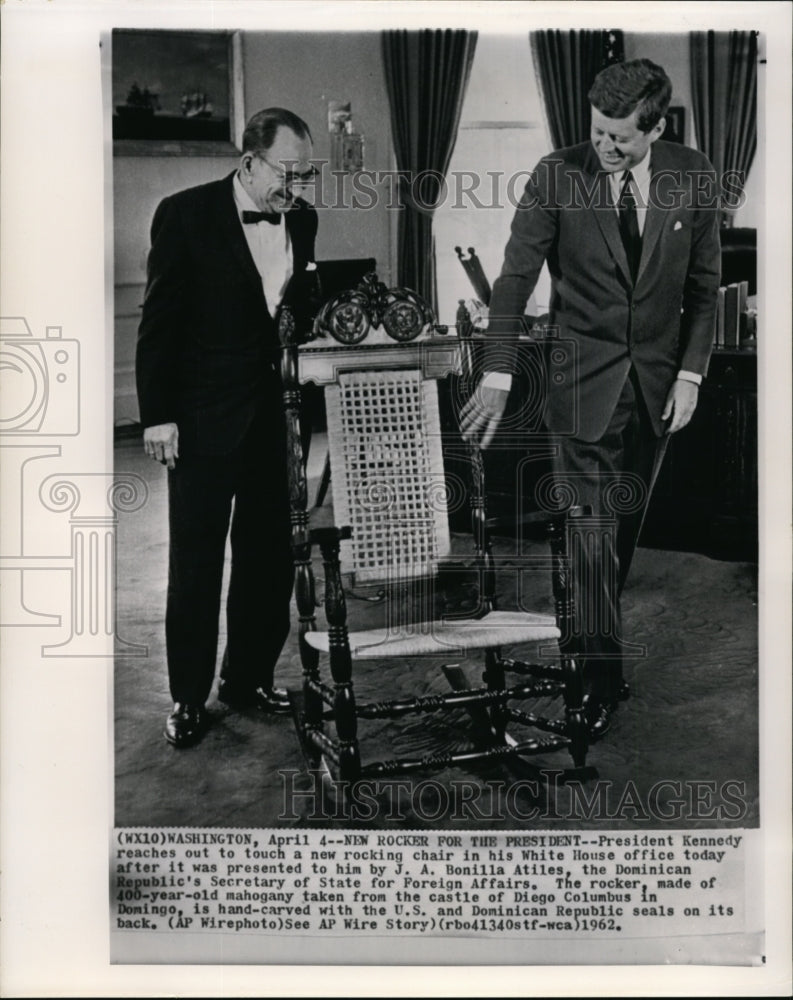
<point x="252" y="217"/>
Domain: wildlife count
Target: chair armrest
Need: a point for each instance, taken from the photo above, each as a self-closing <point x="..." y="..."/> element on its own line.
<point x="329" y="535"/>
<point x="536" y="517"/>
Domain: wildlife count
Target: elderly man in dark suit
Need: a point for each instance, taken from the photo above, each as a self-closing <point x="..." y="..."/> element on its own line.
<point x="221" y="257"/>
<point x="628" y="226"/>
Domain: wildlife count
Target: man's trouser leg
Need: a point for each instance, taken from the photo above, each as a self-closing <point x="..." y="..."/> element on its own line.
<point x="262" y="570"/>
<point x="612" y="476"/>
<point x="199" y="506"/>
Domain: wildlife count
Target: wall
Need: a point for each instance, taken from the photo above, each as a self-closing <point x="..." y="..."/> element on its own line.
<point x="300" y="71"/>
<point x="671" y="50"/>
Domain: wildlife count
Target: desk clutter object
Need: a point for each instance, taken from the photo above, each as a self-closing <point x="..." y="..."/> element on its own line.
<point x="390" y="528"/>
<point x="472" y="266"/>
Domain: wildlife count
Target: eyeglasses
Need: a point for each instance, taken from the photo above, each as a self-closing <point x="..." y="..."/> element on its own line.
<point x="291" y="177"/>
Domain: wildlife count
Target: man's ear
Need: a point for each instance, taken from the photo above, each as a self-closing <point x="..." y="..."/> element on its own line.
<point x="658" y="131"/>
<point x="246" y="162"/>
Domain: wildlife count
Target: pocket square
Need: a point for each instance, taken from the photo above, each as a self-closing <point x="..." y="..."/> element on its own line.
<point x="678" y="225"/>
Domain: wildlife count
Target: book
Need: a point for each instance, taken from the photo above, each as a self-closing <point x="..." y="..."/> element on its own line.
<point x="743" y="295"/>
<point x="731" y="316"/>
<point x="719" y="334"/>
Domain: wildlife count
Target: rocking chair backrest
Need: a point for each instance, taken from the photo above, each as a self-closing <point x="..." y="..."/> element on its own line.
<point x="378" y="355"/>
<point x="387" y="472"/>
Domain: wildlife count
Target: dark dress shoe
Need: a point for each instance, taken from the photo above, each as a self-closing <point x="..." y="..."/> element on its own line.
<point x="186" y="724"/>
<point x="273" y="699"/>
<point x="598" y="717"/>
<point x="599" y="710"/>
<point x="267" y="699"/>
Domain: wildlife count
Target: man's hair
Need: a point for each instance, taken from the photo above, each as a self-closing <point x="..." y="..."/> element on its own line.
<point x="625" y="87"/>
<point x="261" y="129"/>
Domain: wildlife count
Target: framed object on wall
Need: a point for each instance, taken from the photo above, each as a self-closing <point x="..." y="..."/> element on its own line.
<point x="347" y="152"/>
<point x="177" y="93"/>
<point x="675" y="130"/>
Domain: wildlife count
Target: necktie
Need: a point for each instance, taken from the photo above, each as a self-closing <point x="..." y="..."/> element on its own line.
<point x="273" y="218"/>
<point x="629" y="225"/>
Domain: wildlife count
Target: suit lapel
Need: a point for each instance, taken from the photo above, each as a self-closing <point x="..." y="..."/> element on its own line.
<point x="653" y="224"/>
<point x="657" y="215"/>
<point x="232" y="227"/>
<point x="606" y="213"/>
<point x="655" y="219"/>
<point x="298" y="240"/>
<point x="300" y="237"/>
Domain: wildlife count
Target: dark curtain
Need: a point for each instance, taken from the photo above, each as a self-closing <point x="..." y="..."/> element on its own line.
<point x="566" y="63"/>
<point x="426" y="76"/>
<point x="724" y="95"/>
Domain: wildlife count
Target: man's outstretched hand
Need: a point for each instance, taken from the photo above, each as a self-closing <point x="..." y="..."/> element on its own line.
<point x="482" y="414"/>
<point x="680" y="404"/>
<point x="161" y="442"/>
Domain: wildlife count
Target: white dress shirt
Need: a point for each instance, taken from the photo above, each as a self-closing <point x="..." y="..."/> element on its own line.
<point x="641" y="193"/>
<point x="269" y="246"/>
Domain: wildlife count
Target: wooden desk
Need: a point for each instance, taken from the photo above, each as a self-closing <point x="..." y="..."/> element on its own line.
<point x="705" y="499"/>
<point x="706" y="495"/>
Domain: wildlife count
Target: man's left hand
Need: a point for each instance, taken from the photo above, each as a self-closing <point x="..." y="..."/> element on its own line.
<point x="480" y="416"/>
<point x="680" y="404"/>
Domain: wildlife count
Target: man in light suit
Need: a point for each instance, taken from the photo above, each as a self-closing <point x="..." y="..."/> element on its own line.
<point x="221" y="257"/>
<point x="628" y="226"/>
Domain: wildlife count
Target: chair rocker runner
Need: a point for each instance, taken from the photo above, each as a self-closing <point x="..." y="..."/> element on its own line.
<point x="391" y="523"/>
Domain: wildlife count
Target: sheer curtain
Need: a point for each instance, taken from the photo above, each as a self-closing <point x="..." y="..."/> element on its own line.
<point x="426" y="76"/>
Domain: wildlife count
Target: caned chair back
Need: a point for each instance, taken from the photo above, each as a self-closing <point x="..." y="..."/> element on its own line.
<point x="386" y="460"/>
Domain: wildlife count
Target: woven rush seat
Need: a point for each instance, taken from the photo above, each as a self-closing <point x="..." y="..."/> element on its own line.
<point x="499" y="628"/>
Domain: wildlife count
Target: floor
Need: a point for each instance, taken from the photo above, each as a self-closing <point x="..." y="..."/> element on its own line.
<point x="682" y="752"/>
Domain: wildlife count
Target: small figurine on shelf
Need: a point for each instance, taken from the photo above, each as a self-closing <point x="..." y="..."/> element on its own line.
<point x="749" y="340"/>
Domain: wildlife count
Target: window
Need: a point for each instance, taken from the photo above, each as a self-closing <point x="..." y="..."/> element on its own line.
<point x="501" y="137"/>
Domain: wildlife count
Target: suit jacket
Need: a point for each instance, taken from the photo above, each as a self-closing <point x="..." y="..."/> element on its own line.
<point x="661" y="325"/>
<point x="207" y="344"/>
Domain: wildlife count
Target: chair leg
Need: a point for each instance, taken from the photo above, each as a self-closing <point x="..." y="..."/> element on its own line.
<point x="341" y="665"/>
<point x="312" y="702"/>
<point x="309" y="657"/>
<point x="298" y="441"/>
<point x="495" y="680"/>
<point x="574" y="710"/>
<point x="561" y="533"/>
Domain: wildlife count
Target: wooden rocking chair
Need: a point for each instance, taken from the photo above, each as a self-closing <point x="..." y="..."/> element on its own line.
<point x="390" y="524"/>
